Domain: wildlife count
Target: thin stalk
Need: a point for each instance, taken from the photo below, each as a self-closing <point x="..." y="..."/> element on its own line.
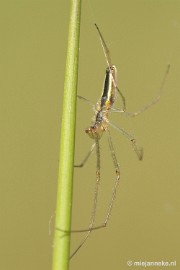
<point x="61" y="246"/>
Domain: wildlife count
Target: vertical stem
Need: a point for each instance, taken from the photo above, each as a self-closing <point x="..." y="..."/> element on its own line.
<point x="61" y="246"/>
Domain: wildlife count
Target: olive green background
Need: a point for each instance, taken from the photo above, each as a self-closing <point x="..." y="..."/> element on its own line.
<point x="143" y="37"/>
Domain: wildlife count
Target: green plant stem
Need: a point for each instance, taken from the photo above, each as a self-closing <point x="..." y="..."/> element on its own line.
<point x="61" y="246"/>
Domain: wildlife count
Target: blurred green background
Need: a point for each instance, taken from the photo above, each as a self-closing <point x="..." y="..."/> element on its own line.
<point x="143" y="37"/>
